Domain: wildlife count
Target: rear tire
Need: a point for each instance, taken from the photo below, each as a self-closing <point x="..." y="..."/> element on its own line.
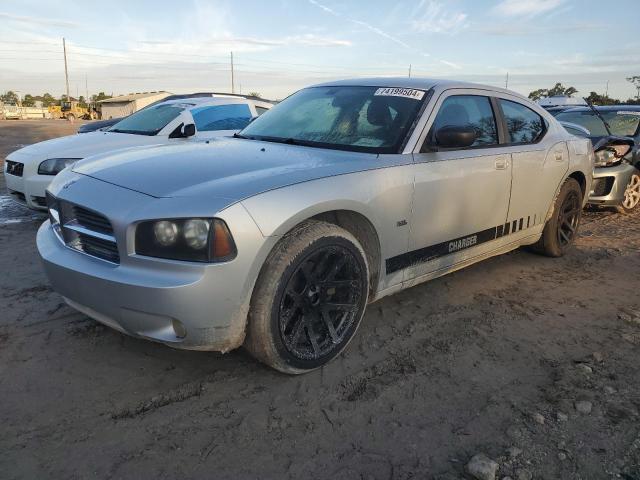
<point x="561" y="229"/>
<point x="309" y="298"/>
<point x="631" y="195"/>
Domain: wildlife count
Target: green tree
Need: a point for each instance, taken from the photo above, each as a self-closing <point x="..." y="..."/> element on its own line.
<point x="48" y="100"/>
<point x="538" y="94"/>
<point x="255" y="94"/>
<point x="100" y="96"/>
<point x="599" y="99"/>
<point x="635" y="80"/>
<point x="28" y="100"/>
<point x="9" y="97"/>
<point x="556" y="90"/>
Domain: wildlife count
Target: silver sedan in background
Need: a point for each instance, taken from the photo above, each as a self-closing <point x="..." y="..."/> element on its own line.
<point x="345" y="192"/>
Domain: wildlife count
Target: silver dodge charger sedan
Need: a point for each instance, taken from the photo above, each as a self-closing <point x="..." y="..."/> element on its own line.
<point x="343" y="193"/>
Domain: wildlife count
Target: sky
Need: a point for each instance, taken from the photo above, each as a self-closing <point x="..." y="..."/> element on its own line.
<point x="280" y="46"/>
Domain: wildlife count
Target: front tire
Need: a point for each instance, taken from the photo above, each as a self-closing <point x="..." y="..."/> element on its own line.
<point x="631" y="195"/>
<point x="309" y="298"/>
<point x="561" y="229"/>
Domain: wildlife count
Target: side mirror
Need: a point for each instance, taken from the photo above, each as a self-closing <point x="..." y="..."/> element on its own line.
<point x="455" y="136"/>
<point x="189" y="130"/>
<point x="183" y="131"/>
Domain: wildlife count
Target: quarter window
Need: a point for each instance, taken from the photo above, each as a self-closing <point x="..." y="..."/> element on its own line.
<point x="468" y="110"/>
<point x="523" y="124"/>
<point x="260" y="110"/>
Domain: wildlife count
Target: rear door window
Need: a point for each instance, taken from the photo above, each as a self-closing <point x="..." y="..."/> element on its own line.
<point x="523" y="124"/>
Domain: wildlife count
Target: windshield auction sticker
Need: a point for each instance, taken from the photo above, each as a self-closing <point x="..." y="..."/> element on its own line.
<point x="400" y="92"/>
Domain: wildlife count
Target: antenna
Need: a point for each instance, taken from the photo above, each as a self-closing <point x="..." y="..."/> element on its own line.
<point x="409" y="70"/>
<point x="506" y="82"/>
<point x="233" y="87"/>
<point x="66" y="72"/>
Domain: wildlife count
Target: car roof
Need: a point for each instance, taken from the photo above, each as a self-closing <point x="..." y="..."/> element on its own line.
<point x="200" y="101"/>
<point x="606" y="108"/>
<point x="414" y="82"/>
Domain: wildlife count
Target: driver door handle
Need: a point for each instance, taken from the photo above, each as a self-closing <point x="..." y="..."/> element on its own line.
<point x="501" y="164"/>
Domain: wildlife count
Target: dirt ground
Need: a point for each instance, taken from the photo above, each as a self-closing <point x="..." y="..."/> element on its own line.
<point x="530" y="360"/>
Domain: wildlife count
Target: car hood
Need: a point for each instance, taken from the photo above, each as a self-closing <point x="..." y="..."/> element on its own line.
<point x="81" y="146"/>
<point x="230" y="168"/>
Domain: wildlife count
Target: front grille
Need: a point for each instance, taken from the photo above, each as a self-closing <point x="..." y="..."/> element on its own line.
<point x="15" y="168"/>
<point x="602" y="186"/>
<point x="83" y="229"/>
<point x="97" y="247"/>
<point x="92" y="220"/>
<point x="19" y="196"/>
<point x="40" y="201"/>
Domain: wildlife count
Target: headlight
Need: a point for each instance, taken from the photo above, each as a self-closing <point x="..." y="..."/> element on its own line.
<point x="610" y="155"/>
<point x="189" y="239"/>
<point x="54" y="166"/>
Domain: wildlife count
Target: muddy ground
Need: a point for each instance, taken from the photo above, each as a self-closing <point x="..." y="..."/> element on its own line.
<point x="500" y="358"/>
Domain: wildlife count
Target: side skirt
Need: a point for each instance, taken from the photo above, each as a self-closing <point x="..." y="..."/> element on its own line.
<point x="528" y="240"/>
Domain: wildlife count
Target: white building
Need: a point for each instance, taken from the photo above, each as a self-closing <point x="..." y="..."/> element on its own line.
<point x="124" y="105"/>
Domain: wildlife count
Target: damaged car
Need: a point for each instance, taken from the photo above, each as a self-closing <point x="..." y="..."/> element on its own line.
<point x="615" y="133"/>
<point x="343" y="193"/>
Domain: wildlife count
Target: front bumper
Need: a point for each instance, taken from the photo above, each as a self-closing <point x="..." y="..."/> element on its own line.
<point x="29" y="190"/>
<point x="609" y="184"/>
<point x="180" y="304"/>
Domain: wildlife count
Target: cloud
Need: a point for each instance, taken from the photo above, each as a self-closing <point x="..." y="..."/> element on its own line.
<point x="526" y="8"/>
<point x="361" y="23"/>
<point x="451" y="64"/>
<point x="38" y="21"/>
<point x="433" y="17"/>
<point x="524" y="29"/>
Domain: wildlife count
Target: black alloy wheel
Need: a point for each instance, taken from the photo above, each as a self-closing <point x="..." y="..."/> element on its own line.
<point x="321" y="303"/>
<point x="568" y="218"/>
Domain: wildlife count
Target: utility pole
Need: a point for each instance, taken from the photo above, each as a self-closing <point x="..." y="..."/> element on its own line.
<point x="86" y="89"/>
<point x="233" y="87"/>
<point x="409" y="70"/>
<point x="506" y="82"/>
<point x="606" y="94"/>
<point x="66" y="71"/>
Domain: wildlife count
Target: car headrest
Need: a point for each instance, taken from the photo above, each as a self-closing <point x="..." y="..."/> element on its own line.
<point x="378" y="113"/>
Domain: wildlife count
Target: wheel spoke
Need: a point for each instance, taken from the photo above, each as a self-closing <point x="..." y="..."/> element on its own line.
<point x="312" y="338"/>
<point x="341" y="307"/>
<point x="565" y="236"/>
<point x="299" y="328"/>
<point x="567" y="224"/>
<point x="326" y="318"/>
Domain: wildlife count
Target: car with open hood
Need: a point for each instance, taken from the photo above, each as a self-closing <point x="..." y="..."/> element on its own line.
<point x="278" y="238"/>
<point x="616" y="178"/>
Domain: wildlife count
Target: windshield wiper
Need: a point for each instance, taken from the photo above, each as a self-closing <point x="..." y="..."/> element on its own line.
<point x="287" y="141"/>
<point x="244" y="137"/>
<point x="606" y="125"/>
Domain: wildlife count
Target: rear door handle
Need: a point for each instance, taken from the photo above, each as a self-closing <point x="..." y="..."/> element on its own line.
<point x="501" y="164"/>
<point x="558" y="156"/>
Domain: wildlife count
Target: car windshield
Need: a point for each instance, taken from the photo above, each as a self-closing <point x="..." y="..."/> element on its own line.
<point x="622" y="123"/>
<point x="148" y="121"/>
<point x="366" y="119"/>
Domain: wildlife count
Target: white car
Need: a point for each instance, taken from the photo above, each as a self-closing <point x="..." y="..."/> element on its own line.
<point x="29" y="171"/>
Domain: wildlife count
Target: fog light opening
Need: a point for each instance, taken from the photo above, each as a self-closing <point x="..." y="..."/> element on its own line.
<point x="178" y="328"/>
